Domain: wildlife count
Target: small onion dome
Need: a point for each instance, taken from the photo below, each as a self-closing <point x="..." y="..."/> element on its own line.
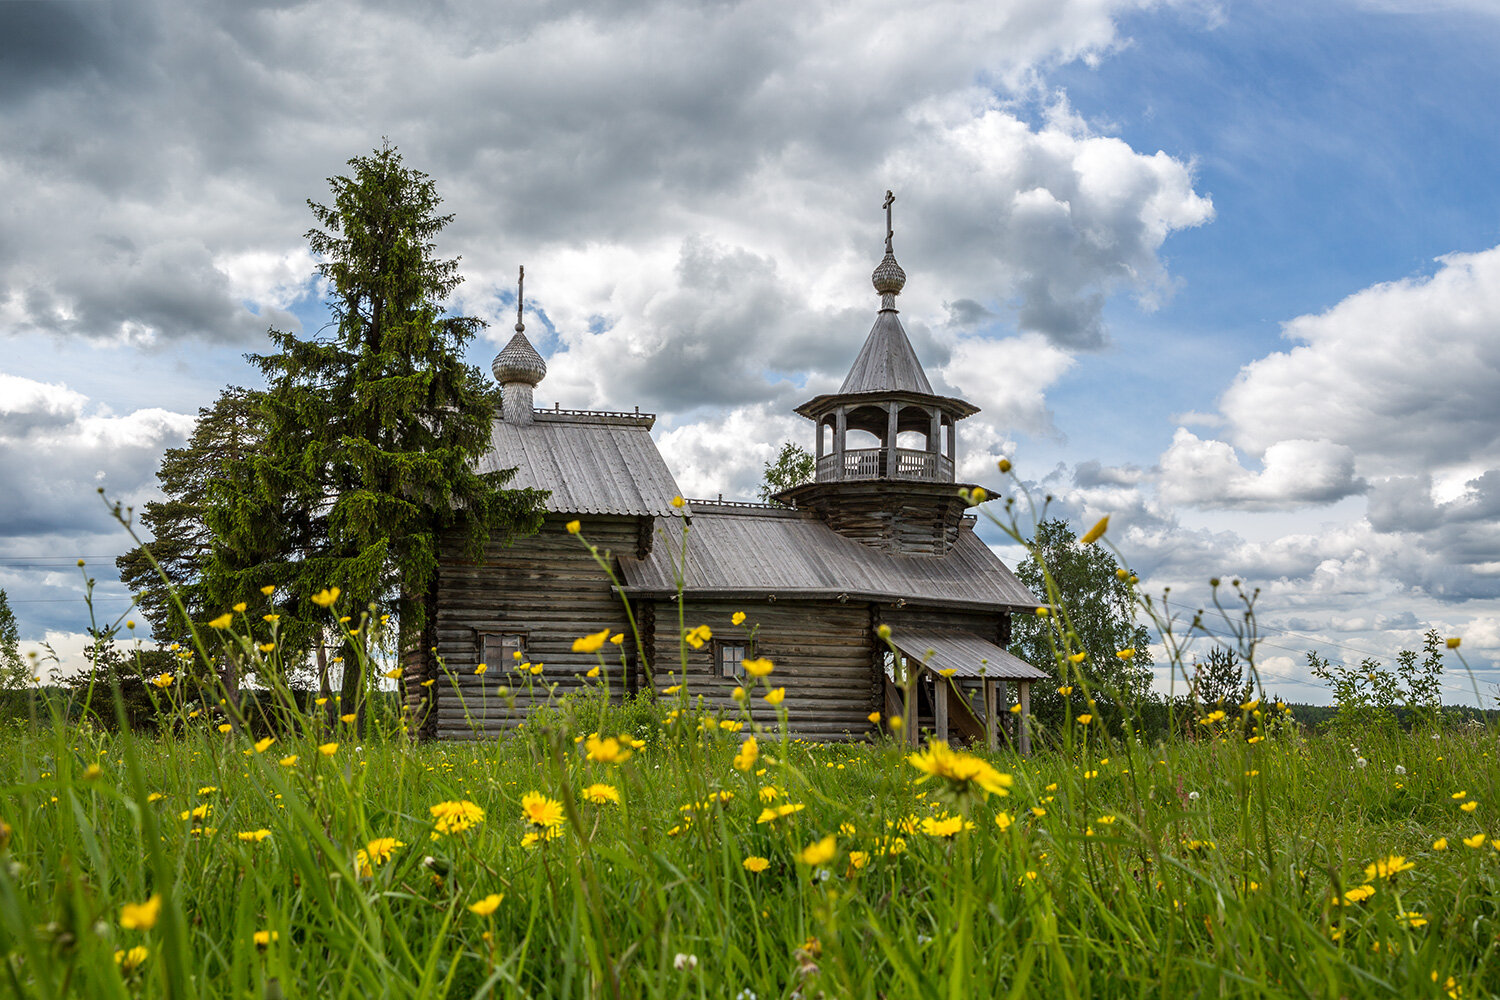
<point x="888" y="278"/>
<point x="519" y="362"/>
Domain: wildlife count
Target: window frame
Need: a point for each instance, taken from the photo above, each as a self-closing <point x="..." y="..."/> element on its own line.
<point x="721" y="668"/>
<point x="504" y="661"/>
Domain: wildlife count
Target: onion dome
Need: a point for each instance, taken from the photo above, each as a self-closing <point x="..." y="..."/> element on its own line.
<point x="888" y="278"/>
<point x="519" y="362"/>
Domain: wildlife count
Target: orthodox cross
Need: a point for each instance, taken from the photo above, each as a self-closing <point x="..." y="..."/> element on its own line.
<point x="520" y="286"/>
<point x="889" y="232"/>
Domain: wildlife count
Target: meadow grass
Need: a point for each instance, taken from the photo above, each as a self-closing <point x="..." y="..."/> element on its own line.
<point x="659" y="849"/>
<point x="1213" y="866"/>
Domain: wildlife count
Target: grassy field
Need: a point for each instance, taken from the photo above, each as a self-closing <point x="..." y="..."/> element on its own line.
<point x="668" y="863"/>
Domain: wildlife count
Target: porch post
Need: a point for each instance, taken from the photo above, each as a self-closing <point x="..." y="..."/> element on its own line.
<point x="991" y="723"/>
<point x="940" y="706"/>
<point x="892" y="416"/>
<point x="840" y="431"/>
<point x="1025" y="720"/>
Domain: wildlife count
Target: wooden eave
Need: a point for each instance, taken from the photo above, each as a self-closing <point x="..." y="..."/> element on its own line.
<point x="818" y="406"/>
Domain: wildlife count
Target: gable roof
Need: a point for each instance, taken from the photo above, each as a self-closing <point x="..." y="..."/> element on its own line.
<point x="766" y="551"/>
<point x="591" y="462"/>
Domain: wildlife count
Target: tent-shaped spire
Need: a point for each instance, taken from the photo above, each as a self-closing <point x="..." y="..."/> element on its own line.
<point x="887" y="362"/>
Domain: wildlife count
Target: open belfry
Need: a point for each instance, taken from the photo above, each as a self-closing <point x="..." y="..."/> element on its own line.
<point x="880" y="537"/>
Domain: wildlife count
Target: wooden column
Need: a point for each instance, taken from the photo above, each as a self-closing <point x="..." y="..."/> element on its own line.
<point x="991" y="721"/>
<point x="840" y="432"/>
<point x="1025" y="721"/>
<point x="819" y="445"/>
<point x="935" y="441"/>
<point x="940" y="707"/>
<point x="891" y="423"/>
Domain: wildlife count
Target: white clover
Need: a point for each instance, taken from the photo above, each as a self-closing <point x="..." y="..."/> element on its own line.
<point x="681" y="962"/>
<point x="1361" y="763"/>
<point x="1400" y="769"/>
<point x="1192" y="796"/>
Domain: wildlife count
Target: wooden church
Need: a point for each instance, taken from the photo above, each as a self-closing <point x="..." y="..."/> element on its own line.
<point x="879" y="537"/>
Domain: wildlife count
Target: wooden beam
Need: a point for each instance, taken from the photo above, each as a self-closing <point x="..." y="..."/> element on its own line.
<point x="991" y="721"/>
<point x="1025" y="721"/>
<point x="940" y="707"/>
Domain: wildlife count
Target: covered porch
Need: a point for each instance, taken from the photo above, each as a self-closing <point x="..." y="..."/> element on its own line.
<point x="965" y="687"/>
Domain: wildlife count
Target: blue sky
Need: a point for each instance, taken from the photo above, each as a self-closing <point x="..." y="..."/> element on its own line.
<point x="1222" y="271"/>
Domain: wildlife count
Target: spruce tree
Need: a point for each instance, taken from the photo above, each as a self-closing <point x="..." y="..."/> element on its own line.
<point x="371" y="429"/>
<point x="223" y="439"/>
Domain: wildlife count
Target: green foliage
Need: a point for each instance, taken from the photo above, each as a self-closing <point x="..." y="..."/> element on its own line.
<point x="370" y="434"/>
<point x="14" y="674"/>
<point x="1368" y="695"/>
<point x="223" y="439"/>
<point x="1220" y="679"/>
<point x="1094" y="601"/>
<point x="793" y="466"/>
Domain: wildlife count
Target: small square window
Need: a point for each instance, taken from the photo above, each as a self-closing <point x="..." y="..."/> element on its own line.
<point x="731" y="659"/>
<point x="502" y="650"/>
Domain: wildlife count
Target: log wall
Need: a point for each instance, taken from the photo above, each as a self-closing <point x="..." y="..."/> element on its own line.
<point x="546" y="586"/>
<point x="823" y="650"/>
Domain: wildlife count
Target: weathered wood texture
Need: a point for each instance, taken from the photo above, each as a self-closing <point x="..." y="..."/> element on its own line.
<point x="546" y="587"/>
<point x="904" y="518"/>
<point x="824" y="656"/>
<point x="966" y="706"/>
<point x="417" y="665"/>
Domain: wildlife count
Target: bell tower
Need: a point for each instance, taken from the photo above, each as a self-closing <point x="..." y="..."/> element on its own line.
<point x="885" y="442"/>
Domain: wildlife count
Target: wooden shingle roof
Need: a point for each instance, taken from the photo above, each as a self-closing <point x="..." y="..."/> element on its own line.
<point x="887" y="362"/>
<point x="592" y="463"/>
<point x="761" y="552"/>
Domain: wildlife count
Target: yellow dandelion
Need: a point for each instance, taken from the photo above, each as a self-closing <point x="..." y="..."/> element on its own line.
<point x="748" y="754"/>
<point x="757" y="666"/>
<point x="607" y="750"/>
<point x="591" y="643"/>
<point x="488" y="904"/>
<point x="600" y="794"/>
<point x="141" y="916"/>
<point x="1096" y="532"/>
<point x="819" y="852"/>
<point x="775" y="696"/>
<point x="538" y="810"/>
<point x="328" y="749"/>
<point x="756" y="864"/>
<point x="223" y="621"/>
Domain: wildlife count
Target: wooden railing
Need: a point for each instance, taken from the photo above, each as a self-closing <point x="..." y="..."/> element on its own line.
<point x="871" y="463"/>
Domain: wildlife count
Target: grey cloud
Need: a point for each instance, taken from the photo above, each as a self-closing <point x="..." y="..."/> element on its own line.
<point x="580" y="125"/>
<point x="966" y="313"/>
<point x="1093" y="473"/>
